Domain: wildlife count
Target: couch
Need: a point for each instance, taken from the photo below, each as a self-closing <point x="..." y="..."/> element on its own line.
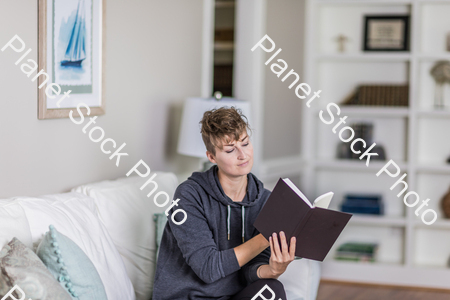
<point x="113" y="222"/>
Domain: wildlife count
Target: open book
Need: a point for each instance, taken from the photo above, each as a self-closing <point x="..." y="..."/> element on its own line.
<point x="315" y="227"/>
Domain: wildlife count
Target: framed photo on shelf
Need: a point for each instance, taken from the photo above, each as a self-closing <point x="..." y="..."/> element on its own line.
<point x="386" y="33"/>
<point x="71" y="53"/>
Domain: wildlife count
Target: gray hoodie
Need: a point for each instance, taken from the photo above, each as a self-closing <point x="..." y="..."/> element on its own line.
<point x="196" y="259"/>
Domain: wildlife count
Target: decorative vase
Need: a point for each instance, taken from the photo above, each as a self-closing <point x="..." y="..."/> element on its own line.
<point x="445" y="204"/>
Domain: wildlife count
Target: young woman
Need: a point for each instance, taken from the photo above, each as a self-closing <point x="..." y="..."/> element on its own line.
<point x="217" y="253"/>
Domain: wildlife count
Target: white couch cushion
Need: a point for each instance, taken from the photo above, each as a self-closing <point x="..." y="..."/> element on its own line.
<point x="75" y="216"/>
<point x="127" y="213"/>
<point x="301" y="279"/>
<point x="13" y="223"/>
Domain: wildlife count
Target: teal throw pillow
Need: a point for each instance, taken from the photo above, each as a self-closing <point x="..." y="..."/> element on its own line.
<point x="70" y="266"/>
<point x="160" y="220"/>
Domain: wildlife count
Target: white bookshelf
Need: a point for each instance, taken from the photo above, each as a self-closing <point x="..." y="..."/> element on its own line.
<point x="417" y="137"/>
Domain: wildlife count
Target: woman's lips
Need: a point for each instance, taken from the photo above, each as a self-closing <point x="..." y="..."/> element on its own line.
<point x="244" y="164"/>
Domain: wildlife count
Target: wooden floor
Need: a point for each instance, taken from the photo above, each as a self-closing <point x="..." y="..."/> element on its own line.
<point x="329" y="290"/>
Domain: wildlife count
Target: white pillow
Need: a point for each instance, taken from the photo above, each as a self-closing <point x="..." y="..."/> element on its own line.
<point x="74" y="215"/>
<point x="301" y="279"/>
<point x="127" y="213"/>
<point x="13" y="223"/>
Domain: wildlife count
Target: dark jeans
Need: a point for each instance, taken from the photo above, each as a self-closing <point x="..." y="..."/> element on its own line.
<point x="251" y="290"/>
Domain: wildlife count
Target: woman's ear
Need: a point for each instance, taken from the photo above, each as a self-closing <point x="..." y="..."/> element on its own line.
<point x="210" y="157"/>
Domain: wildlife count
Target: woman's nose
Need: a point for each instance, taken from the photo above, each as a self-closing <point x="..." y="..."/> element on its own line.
<point x="241" y="153"/>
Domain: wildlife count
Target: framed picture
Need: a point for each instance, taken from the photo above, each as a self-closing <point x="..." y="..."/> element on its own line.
<point x="386" y="33"/>
<point x="71" y="46"/>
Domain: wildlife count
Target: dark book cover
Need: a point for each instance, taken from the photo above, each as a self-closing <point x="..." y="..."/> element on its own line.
<point x="315" y="228"/>
<point x="363" y="204"/>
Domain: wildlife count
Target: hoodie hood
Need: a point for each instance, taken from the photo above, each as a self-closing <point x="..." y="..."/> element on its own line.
<point x="210" y="183"/>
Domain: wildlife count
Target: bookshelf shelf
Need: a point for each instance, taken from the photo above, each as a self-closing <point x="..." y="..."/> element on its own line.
<point x="342" y="263"/>
<point x="365" y="2"/>
<point x="397" y="57"/>
<point x="432" y="267"/>
<point x="433" y="57"/>
<point x="432" y="1"/>
<point x="434" y="113"/>
<point x="434" y="169"/>
<point x="439" y="224"/>
<point x="372" y="111"/>
<point x="354" y="165"/>
<point x="375" y="111"/>
<point x="415" y="137"/>
<point x="377" y="220"/>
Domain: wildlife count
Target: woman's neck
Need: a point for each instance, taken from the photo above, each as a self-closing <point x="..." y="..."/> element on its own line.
<point x="233" y="187"/>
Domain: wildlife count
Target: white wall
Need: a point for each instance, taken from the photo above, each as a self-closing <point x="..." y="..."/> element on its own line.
<point x="248" y="69"/>
<point x="282" y="109"/>
<point x="153" y="61"/>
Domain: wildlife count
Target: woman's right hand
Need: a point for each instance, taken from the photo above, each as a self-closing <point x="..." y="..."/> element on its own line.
<point x="280" y="258"/>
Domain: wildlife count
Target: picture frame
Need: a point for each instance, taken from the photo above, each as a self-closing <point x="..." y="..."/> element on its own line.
<point x="71" y="52"/>
<point x="386" y="33"/>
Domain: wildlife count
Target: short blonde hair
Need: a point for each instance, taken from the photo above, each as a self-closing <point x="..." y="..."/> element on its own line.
<point x="222" y="125"/>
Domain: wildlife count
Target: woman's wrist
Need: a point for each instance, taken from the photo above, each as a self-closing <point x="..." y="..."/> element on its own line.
<point x="265" y="271"/>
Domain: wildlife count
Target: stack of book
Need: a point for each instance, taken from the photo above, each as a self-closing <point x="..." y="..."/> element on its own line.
<point x="363" y="204"/>
<point x="355" y="251"/>
<point x="381" y="95"/>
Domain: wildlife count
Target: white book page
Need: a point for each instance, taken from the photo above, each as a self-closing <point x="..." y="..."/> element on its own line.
<point x="324" y="200"/>
<point x="296" y="190"/>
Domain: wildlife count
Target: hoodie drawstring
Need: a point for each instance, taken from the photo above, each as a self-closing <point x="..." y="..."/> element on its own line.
<point x="228" y="222"/>
<point x="243" y="222"/>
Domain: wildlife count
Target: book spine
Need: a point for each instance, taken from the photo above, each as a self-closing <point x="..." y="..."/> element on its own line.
<point x="301" y="224"/>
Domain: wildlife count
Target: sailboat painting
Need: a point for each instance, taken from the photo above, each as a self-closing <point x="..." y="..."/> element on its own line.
<point x="72" y="63"/>
<point x="71" y="46"/>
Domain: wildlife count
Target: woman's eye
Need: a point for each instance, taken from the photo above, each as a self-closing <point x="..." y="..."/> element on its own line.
<point x="245" y="144"/>
<point x="230" y="151"/>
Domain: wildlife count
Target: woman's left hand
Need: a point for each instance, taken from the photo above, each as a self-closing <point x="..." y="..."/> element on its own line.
<point x="280" y="258"/>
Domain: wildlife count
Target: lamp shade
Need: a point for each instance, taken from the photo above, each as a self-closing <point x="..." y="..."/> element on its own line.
<point x="190" y="140"/>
